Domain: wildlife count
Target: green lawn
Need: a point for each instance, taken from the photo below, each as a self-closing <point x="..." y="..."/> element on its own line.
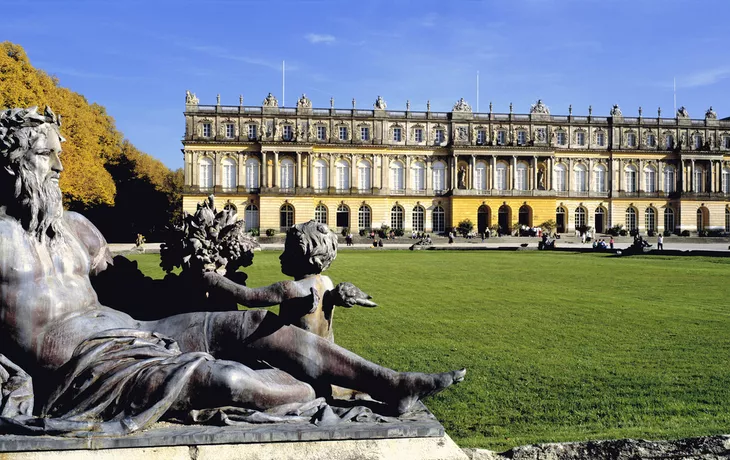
<point x="558" y="346"/>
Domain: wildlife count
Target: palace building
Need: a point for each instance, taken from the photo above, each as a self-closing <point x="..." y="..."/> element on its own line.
<point x="427" y="171"/>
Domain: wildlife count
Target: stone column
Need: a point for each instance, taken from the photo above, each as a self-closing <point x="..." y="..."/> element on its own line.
<point x="299" y="170"/>
<point x="275" y="170"/>
<point x="454" y="163"/>
<point x="639" y="177"/>
<point x="692" y="186"/>
<point x="513" y="172"/>
<point x="473" y="172"/>
<point x="384" y="167"/>
<point x="241" y="172"/>
<point x="569" y="176"/>
<point x="407" y="176"/>
<point x="429" y="176"/>
<point x="534" y="173"/>
<point x="660" y="178"/>
<point x="332" y="172"/>
<point x="264" y="182"/>
<point x="311" y="170"/>
<point x="194" y="179"/>
<point x="494" y="172"/>
<point x="353" y="171"/>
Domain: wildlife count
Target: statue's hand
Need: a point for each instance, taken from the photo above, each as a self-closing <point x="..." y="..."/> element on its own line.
<point x="348" y="295"/>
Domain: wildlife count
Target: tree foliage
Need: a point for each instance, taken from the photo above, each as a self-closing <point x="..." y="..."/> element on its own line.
<point x="121" y="189"/>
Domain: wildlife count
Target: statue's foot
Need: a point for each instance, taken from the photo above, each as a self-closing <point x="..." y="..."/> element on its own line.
<point x="415" y="386"/>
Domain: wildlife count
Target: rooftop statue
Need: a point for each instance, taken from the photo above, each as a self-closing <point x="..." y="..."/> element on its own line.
<point x="461" y="106"/>
<point x="616" y="111"/>
<point x="539" y="107"/>
<point x="190" y="98"/>
<point x="97" y="370"/>
<point x="304" y="102"/>
<point x="711" y="114"/>
<point x="380" y="104"/>
<point x="682" y="112"/>
<point x="271" y="101"/>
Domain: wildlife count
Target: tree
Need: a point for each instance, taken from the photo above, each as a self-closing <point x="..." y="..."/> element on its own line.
<point x="465" y="227"/>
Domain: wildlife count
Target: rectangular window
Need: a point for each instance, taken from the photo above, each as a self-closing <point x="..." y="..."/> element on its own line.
<point x="726" y="142"/>
<point x="343" y="133"/>
<point x="670" y="141"/>
<point x="650" y="140"/>
<point x="230" y="130"/>
<point x="286" y="133"/>
<point x="501" y="135"/>
<point x="600" y="180"/>
<point x="439" y="136"/>
<point x="561" y="138"/>
<point x="321" y="133"/>
<point x="252" y="132"/>
<point x="521" y="138"/>
<point x="481" y="137"/>
<point x="649" y="181"/>
<point x="418" y="135"/>
<point x="698" y="142"/>
<point x="365" y="133"/>
<point x="669" y="180"/>
<point x="600" y="140"/>
<point x="580" y="138"/>
<point x="630" y="181"/>
<point x="631" y="140"/>
<point x="206" y="129"/>
<point x="396" y="134"/>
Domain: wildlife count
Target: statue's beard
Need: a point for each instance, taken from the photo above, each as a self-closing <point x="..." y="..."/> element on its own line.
<point x="40" y="205"/>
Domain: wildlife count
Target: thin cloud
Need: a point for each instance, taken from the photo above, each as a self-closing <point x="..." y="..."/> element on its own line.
<point x="320" y="38"/>
<point x="704" y="77"/>
<point x="222" y="53"/>
<point x="71" y="72"/>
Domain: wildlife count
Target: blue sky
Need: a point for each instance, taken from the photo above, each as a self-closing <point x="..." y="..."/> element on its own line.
<point x="137" y="58"/>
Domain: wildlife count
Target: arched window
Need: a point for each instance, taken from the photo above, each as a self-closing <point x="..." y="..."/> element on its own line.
<point x="418" y="218"/>
<point x="669" y="174"/>
<point x="229" y="174"/>
<point x="580" y="217"/>
<point x="363" y="176"/>
<point x="418" y="176"/>
<point x="320" y="175"/>
<point x="561" y="178"/>
<point x="396" y="217"/>
<point x="396" y="177"/>
<point x="480" y="171"/>
<point x="727" y="220"/>
<point x="286" y="171"/>
<point x="703" y="217"/>
<point x="669" y="219"/>
<point x="521" y="176"/>
<point x="649" y="179"/>
<point x="525" y="215"/>
<point x="482" y="218"/>
<point x="286" y="217"/>
<point x="698" y="179"/>
<point x="206" y="173"/>
<point x="439" y="176"/>
<point x="438" y="217"/>
<point x="725" y="184"/>
<point x="252" y="173"/>
<point x="630" y="178"/>
<point x="501" y="176"/>
<point x="343" y="175"/>
<point x="600" y="220"/>
<point x="581" y="182"/>
<point x="599" y="175"/>
<point x="320" y="214"/>
<point x="631" y="219"/>
<point x="343" y="216"/>
<point x="560" y="219"/>
<point x="363" y="217"/>
<point x="504" y="219"/>
<point x="650" y="219"/>
<point x="251" y="217"/>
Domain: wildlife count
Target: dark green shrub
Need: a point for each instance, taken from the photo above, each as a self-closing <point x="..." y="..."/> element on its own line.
<point x="345" y="231"/>
<point x="270" y="232"/>
<point x="685" y="233"/>
<point x="465" y="227"/>
<point x="398" y="232"/>
<point x="667" y="233"/>
<point x="364" y="232"/>
<point x="255" y="231"/>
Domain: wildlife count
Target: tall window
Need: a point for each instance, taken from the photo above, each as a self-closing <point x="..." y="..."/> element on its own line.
<point x="649" y="179"/>
<point x="397" y="135"/>
<point x="396" y="176"/>
<point x="651" y="140"/>
<point x="286" y="174"/>
<point x="286" y="216"/>
<point x="365" y="133"/>
<point x="600" y="139"/>
<point x="438" y="217"/>
<point x="521" y="137"/>
<point x="229" y="174"/>
<point x="206" y="173"/>
<point x="286" y="133"/>
<point x="727" y="220"/>
<point x="320" y="175"/>
<point x="669" y="174"/>
<point x="481" y="137"/>
<point x="418" y="135"/>
<point x="561" y="178"/>
<point x="252" y="173"/>
<point x="650" y="219"/>
<point x="560" y="136"/>
<point x="698" y="179"/>
<point x="669" y="219"/>
<point x="581" y="179"/>
<point x="343" y="175"/>
<point x="501" y="179"/>
<point x="439" y="176"/>
<point x="320" y="214"/>
<point x="669" y="141"/>
<point x="700" y="220"/>
<point x="251" y="132"/>
<point x="580" y="138"/>
<point x="521" y="176"/>
<point x="501" y="137"/>
<point x="439" y="136"/>
<point x="418" y="214"/>
<point x="631" y="140"/>
<point x="725" y="183"/>
<point x="698" y="141"/>
<point x="363" y="176"/>
<point x="251" y="217"/>
<point x="524" y="215"/>
<point x="631" y="219"/>
<point x="230" y="130"/>
<point x="418" y="176"/>
<point x="599" y="173"/>
<point x="630" y="178"/>
<point x="480" y="173"/>
<point x="321" y="133"/>
<point x="580" y="216"/>
<point x="343" y="133"/>
<point x="363" y="217"/>
<point x="726" y="142"/>
<point x="396" y="217"/>
<point x="207" y="129"/>
<point x="343" y="216"/>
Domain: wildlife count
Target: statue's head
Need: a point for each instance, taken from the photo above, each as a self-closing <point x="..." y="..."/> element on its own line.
<point x="309" y="249"/>
<point x="30" y="167"/>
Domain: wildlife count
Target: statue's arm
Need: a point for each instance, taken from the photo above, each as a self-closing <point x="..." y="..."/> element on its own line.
<point x="92" y="239"/>
<point x="266" y="296"/>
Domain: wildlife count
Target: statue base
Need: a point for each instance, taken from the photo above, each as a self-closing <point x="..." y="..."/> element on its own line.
<point x="415" y="436"/>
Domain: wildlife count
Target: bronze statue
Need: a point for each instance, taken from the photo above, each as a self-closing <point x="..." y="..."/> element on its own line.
<point x="97" y="369"/>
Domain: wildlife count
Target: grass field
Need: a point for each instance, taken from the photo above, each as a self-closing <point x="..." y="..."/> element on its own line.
<point x="558" y="346"/>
